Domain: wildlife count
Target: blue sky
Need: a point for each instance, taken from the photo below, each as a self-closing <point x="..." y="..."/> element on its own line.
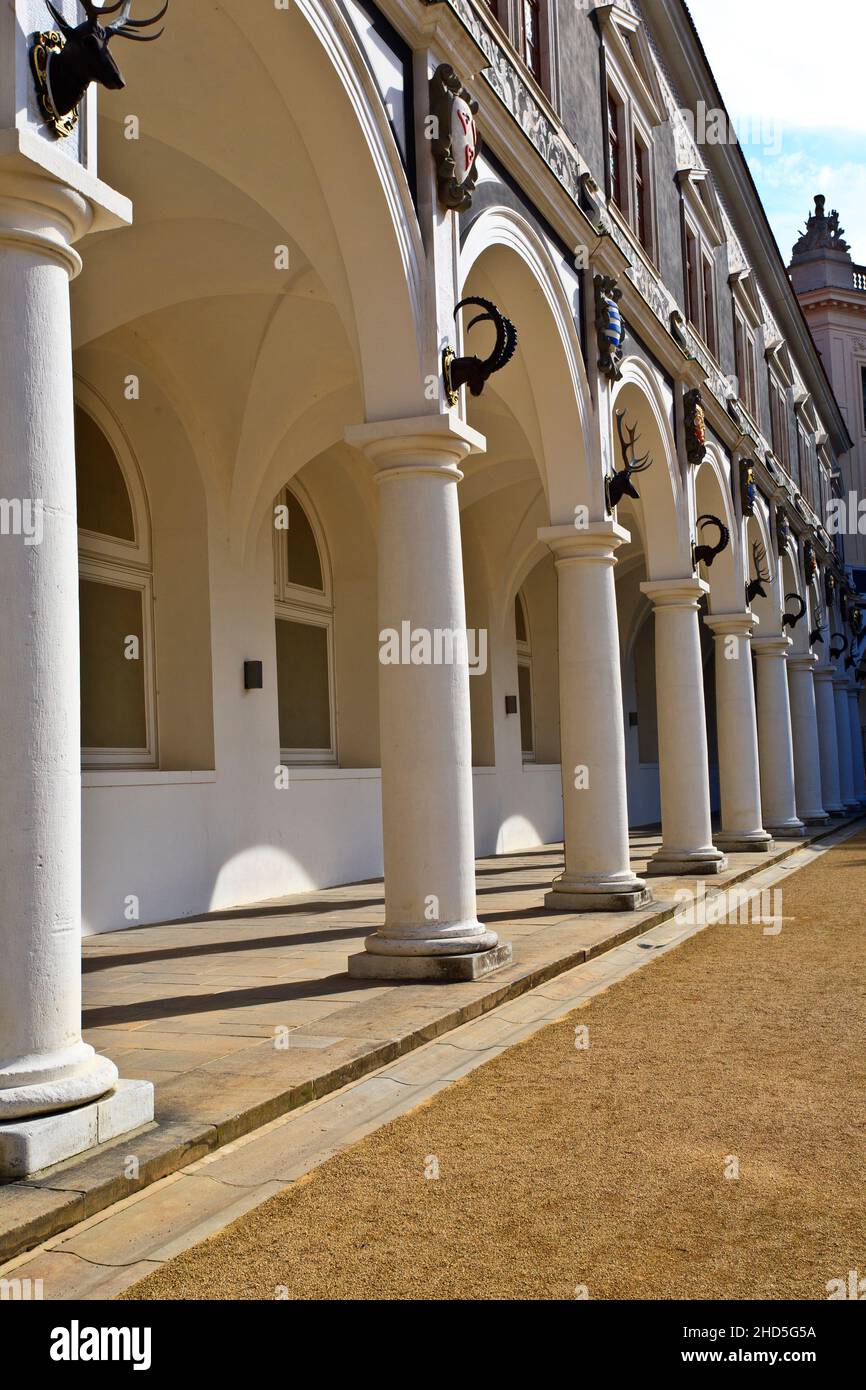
<point x="789" y="74"/>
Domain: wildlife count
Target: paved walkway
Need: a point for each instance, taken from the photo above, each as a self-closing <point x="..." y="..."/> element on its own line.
<point x="112" y="1250"/>
<point x="240" y="1017"/>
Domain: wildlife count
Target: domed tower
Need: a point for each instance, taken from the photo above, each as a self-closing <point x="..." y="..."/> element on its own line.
<point x="831" y="289"/>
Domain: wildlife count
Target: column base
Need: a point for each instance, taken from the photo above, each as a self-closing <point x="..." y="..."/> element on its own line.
<point x="445" y="969"/>
<point x="693" y="864"/>
<point x="750" y="842"/>
<point x="852" y="808"/>
<point x="815" y="818"/>
<point x="837" y="812"/>
<point x="28" y="1146"/>
<point x="603" y="894"/>
<point x="787" y="829"/>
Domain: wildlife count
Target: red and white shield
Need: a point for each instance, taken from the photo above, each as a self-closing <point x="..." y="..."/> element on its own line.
<point x="464" y="139"/>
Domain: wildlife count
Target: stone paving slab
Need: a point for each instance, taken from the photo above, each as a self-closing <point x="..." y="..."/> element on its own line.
<point x="223" y="1076"/>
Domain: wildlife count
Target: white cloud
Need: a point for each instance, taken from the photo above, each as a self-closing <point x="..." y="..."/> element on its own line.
<point x="787" y="60"/>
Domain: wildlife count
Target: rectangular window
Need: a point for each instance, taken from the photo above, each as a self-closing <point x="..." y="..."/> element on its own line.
<point x="709" y="305"/>
<point x="642" y="193"/>
<point x="779" y="420"/>
<point x="614" y="138"/>
<point x="744" y="344"/>
<point x="532" y="37"/>
<point x="863" y="385"/>
<point x="694" y="302"/>
<point x="113" y="675"/>
<point x="524" y="691"/>
<point x="303" y="688"/>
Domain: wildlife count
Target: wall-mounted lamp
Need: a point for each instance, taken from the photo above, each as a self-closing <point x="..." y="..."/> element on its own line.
<point x="511" y="704"/>
<point x="253" y="675"/>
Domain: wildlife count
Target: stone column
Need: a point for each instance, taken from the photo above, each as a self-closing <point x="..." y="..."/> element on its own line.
<point x="598" y="875"/>
<point x="431" y="929"/>
<point x="775" y="745"/>
<point x="826" y="709"/>
<point x="687" y="841"/>
<point x="843" y="738"/>
<point x="45" y="1067"/>
<point x="857" y="761"/>
<point x="739" y="774"/>
<point x="804" y="736"/>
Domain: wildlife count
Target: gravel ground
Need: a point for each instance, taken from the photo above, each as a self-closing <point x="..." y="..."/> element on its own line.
<point x="605" y="1168"/>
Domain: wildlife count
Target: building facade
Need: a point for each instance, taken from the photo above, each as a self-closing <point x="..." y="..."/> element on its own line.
<point x="299" y="610"/>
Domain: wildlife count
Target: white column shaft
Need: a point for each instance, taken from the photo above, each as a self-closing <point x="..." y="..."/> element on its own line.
<point x="827" y="741"/>
<point x="775" y="746"/>
<point x="426" y="740"/>
<point x="804" y="734"/>
<point x="737" y="733"/>
<point x="44" y="1065"/>
<point x="857" y="761"/>
<point x="843" y="737"/>
<point x="687" y="844"/>
<point x="598" y="874"/>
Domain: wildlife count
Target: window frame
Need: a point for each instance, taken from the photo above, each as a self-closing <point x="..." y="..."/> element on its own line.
<point x="123" y="564"/>
<point x="311" y="608"/>
<point x="524" y="661"/>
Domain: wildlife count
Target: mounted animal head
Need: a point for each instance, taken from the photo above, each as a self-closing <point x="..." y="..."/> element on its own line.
<point x="708" y="553"/>
<point x="792" y="619"/>
<point x="817" y="633"/>
<point x="755" y="587"/>
<point x="837" y="651"/>
<point x="620" y="484"/>
<point x="85" y="56"/>
<point x="475" y="372"/>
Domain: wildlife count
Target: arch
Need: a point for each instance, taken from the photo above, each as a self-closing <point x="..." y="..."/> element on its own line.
<point x="713" y="496"/>
<point x="314" y="88"/>
<point x="548" y="387"/>
<point x="135" y="549"/>
<point x="663" y="507"/>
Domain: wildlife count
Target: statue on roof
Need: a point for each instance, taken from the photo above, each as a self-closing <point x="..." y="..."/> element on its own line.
<point x="822" y="233"/>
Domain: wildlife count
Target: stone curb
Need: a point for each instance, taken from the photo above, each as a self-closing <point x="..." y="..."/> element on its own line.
<point x="44" y="1206"/>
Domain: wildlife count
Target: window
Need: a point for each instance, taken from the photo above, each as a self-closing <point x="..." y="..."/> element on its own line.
<point x="524" y="681"/>
<point x="615" y="151"/>
<point x="531" y="37"/>
<point x="118" y="721"/>
<point x="779" y="423"/>
<point x="744" y="344"/>
<point x="304" y="635"/>
<point x="863" y="387"/>
<point x="700" y="287"/>
<point x="641" y="192"/>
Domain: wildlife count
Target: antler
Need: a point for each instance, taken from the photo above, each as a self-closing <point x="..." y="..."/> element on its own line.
<point x="638" y="465"/>
<point x="123" y="27"/>
<point x="506" y="334"/>
<point x="58" y="19"/>
<point x="841" y="650"/>
<point x="792" y="619"/>
<point x="708" y="553"/>
<point x="817" y="633"/>
<point x="759" y="555"/>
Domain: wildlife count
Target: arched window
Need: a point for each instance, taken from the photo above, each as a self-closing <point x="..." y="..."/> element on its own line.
<point x="524" y="680"/>
<point x="118" y="706"/>
<point x="304" y="634"/>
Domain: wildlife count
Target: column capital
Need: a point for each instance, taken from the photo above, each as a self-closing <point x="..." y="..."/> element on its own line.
<point x="686" y="592"/>
<point x="840" y="680"/>
<point x="824" y="673"/>
<point x="777" y="645"/>
<point x="731" y="624"/>
<point x="596" y="541"/>
<point x="423" y="443"/>
<point x="803" y="661"/>
<point x="49" y="201"/>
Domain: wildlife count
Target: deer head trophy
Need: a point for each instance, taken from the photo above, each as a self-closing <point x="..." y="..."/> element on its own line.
<point x="817" y="633"/>
<point x="755" y="587"/>
<point x="792" y="619"/>
<point x="619" y="485"/>
<point x="84" y="56"/>
<point x="708" y="553"/>
<point x="475" y="372"/>
<point x="835" y="650"/>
